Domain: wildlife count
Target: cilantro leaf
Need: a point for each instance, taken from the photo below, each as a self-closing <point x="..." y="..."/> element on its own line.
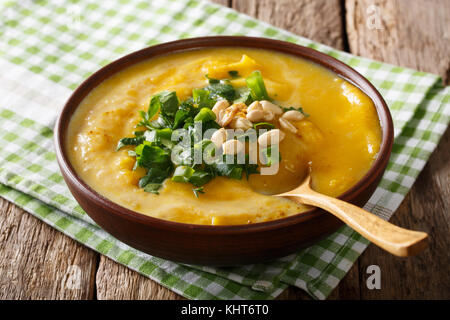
<point x="202" y="98"/>
<point x="169" y="102"/>
<point x="153" y="188"/>
<point x="230" y="170"/>
<point x="150" y="155"/>
<point x="130" y="142"/>
<point x="185" y="114"/>
<point x="222" y="89"/>
<point x="244" y="95"/>
<point x="154" y="107"/>
<point x="160" y="136"/>
<point x="180" y="116"/>
<point x="154" y="175"/>
<point x="200" y="178"/>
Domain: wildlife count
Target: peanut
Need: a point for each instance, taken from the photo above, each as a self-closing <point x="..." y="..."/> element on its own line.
<point x="219" y="106"/>
<point x="219" y="137"/>
<point x="270" y="137"/>
<point x="226" y="115"/>
<point x="233" y="147"/>
<point x="255" y="105"/>
<point x="270" y="107"/>
<point x="255" y="115"/>
<point x="240" y="123"/>
<point x="268" y="116"/>
<point x="285" y="124"/>
<point x="293" y="115"/>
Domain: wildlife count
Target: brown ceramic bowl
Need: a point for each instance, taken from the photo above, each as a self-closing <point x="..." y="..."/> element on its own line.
<point x="218" y="245"/>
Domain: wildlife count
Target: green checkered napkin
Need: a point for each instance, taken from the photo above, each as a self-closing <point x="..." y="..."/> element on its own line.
<point x="48" y="47"/>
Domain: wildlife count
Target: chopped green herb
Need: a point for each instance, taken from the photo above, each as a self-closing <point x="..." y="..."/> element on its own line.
<point x="169" y="102"/>
<point x="163" y="121"/>
<point x="197" y="191"/>
<point x="200" y="178"/>
<point x="150" y="155"/>
<point x="182" y="155"/>
<point x="256" y="84"/>
<point x="202" y="98"/>
<point x="205" y="115"/>
<point x="263" y="125"/>
<point x="162" y="136"/>
<point x="223" y="89"/>
<point x="153" y="108"/>
<point x="154" y="175"/>
<point x="234" y="74"/>
<point x="154" y="178"/>
<point x="153" y="188"/>
<point x="202" y="145"/>
<point x="211" y="80"/>
<point x="185" y="114"/>
<point x="231" y="171"/>
<point x="182" y="174"/>
<point x="244" y="95"/>
<point x="129" y="142"/>
<point x="250" y="169"/>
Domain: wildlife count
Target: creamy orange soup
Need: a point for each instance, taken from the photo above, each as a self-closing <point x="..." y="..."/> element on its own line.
<point x="339" y="139"/>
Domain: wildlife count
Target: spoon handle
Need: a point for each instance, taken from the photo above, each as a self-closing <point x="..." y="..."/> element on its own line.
<point x="398" y="241"/>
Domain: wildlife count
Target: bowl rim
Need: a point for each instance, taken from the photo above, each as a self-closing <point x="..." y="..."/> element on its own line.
<point x="330" y="63"/>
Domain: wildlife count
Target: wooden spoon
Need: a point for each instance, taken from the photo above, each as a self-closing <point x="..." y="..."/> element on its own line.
<point x="398" y="241"/>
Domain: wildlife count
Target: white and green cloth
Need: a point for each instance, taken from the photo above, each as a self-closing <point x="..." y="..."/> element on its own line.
<point x="47" y="48"/>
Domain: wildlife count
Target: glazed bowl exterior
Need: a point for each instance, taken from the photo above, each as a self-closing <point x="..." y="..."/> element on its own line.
<point x="218" y="245"/>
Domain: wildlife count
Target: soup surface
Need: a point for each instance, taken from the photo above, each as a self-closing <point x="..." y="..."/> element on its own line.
<point x="339" y="139"/>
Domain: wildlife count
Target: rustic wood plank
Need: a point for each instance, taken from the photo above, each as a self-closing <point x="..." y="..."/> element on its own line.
<point x="115" y="281"/>
<point x="426" y="208"/>
<point x="409" y="33"/>
<point x="399" y="37"/>
<point x="38" y="262"/>
<point x="226" y="3"/>
<point x="319" y="20"/>
<point x="349" y="287"/>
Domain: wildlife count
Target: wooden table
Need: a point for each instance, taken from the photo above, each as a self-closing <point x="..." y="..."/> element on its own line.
<point x="35" y="260"/>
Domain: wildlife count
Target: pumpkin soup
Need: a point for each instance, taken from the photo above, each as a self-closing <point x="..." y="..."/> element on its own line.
<point x="127" y="139"/>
